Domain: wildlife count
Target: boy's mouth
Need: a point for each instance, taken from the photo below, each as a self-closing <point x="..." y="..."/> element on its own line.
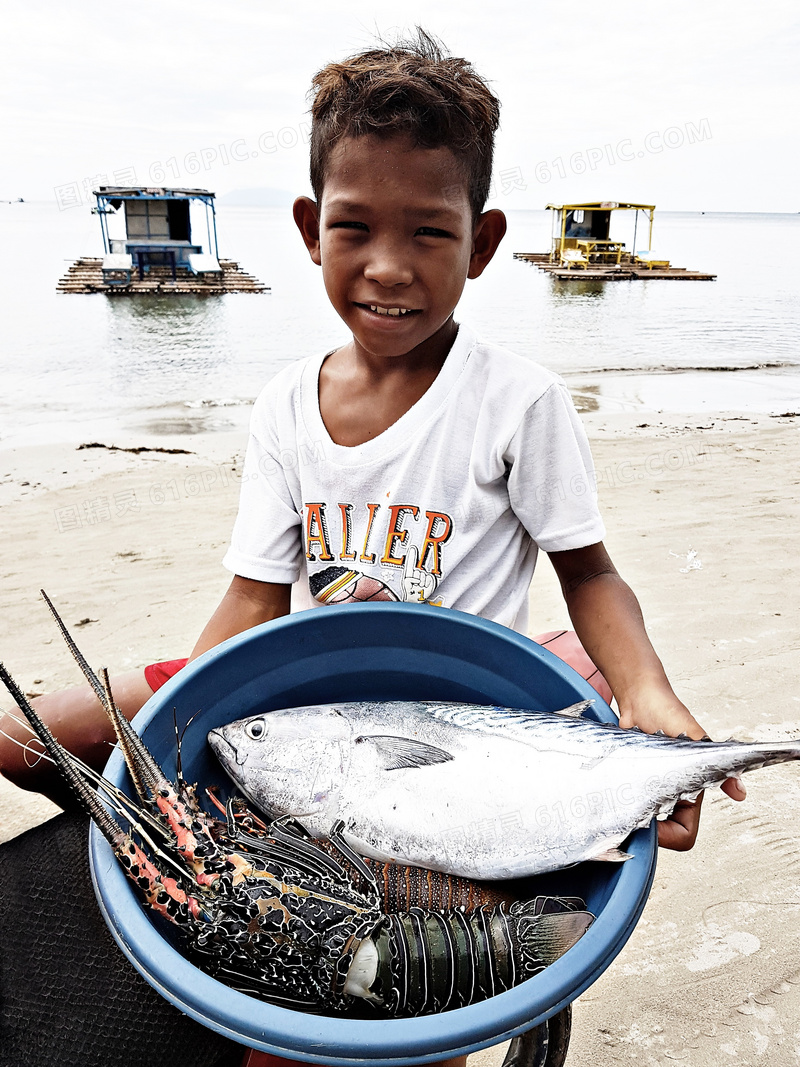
<point x="393" y="312"/>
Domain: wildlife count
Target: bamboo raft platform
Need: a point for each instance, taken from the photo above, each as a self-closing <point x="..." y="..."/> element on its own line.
<point x="86" y="276"/>
<point x="611" y="272"/>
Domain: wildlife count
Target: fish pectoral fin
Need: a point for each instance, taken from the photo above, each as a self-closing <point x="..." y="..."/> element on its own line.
<point x="397" y="753"/>
<point x="612" y="855"/>
<point x="575" y="711"/>
<point x="590" y="764"/>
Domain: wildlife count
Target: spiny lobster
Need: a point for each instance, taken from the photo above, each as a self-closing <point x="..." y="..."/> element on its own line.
<point x="302" y="923"/>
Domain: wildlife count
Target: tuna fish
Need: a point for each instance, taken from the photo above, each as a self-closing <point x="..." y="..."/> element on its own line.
<point x="482" y="792"/>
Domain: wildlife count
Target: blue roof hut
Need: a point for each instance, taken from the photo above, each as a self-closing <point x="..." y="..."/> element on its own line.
<point x="157" y="240"/>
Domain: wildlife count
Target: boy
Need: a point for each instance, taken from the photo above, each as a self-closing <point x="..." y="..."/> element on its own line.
<point x="439" y="457"/>
<point x="414" y="462"/>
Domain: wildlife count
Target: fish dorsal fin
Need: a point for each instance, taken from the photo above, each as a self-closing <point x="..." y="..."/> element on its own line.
<point x="397" y="753"/>
<point x="493" y="717"/>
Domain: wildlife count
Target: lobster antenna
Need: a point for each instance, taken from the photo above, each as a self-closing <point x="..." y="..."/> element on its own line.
<point x="147" y="774"/>
<point x="73" y="769"/>
<point x="179" y="736"/>
<point x="179" y="747"/>
<point x="138" y="766"/>
<point x="148" y="778"/>
<point x="77" y="655"/>
<point x="119" y="800"/>
<point x="83" y="792"/>
<point x="113" y="793"/>
<point x="24" y="744"/>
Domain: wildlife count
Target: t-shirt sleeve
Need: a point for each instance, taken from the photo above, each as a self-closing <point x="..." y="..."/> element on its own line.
<point x="266" y="543"/>
<point x="551" y="477"/>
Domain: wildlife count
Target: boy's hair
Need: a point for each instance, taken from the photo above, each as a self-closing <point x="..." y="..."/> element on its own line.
<point x="412" y="87"/>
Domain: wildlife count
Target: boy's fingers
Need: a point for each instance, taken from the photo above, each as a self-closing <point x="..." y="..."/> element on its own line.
<point x="735" y="788"/>
<point x="679" y="831"/>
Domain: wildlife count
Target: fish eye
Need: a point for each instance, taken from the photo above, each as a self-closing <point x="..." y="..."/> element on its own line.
<point x="256" y="729"/>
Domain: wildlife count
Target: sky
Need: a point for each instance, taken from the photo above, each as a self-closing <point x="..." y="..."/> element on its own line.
<point x="685" y="105"/>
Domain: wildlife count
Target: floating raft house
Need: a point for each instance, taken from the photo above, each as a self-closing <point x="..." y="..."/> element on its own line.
<point x="151" y="245"/>
<point x="581" y="248"/>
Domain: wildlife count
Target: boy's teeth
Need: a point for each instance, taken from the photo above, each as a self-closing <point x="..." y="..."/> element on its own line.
<point x="389" y="311"/>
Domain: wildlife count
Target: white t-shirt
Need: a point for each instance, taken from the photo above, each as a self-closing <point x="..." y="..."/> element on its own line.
<point x="449" y="505"/>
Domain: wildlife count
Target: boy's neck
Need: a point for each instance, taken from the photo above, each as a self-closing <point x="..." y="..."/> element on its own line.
<point x="361" y="395"/>
<point x="426" y="357"/>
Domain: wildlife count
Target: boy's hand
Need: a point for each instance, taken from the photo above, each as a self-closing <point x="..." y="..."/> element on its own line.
<point x="679" y="830"/>
<point x="608" y="621"/>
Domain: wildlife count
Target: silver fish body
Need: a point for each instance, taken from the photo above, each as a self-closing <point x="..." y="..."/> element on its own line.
<point x="482" y="792"/>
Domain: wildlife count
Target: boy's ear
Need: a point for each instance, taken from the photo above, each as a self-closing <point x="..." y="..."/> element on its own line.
<point x="306" y="215"/>
<point x="487" y="235"/>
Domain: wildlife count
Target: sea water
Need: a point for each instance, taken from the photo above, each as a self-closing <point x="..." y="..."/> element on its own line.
<point x="160" y="364"/>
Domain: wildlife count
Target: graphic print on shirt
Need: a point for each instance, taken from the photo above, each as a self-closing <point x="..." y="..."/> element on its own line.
<point x="414" y="572"/>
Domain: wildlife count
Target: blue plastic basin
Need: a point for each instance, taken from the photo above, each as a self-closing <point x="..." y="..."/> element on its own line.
<point x="376" y="651"/>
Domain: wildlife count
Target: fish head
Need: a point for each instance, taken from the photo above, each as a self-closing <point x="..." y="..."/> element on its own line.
<point x="287" y="762"/>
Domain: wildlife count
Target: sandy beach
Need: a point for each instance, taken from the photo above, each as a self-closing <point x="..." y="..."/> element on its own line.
<point x="702" y="515"/>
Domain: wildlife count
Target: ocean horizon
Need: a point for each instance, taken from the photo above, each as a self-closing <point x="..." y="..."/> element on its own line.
<point x="159" y="364"/>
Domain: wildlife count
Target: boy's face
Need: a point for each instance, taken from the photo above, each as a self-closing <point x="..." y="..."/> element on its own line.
<point x="395" y="238"/>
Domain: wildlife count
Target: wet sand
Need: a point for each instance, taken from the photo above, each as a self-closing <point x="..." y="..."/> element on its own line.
<point x="702" y="516"/>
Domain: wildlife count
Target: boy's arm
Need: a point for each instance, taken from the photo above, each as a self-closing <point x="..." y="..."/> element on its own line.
<point x="246" y="603"/>
<point x="608" y="620"/>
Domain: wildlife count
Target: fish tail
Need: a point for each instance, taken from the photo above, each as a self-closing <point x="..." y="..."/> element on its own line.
<point x="742" y="755"/>
<point x="727" y="759"/>
<point x="767" y="753"/>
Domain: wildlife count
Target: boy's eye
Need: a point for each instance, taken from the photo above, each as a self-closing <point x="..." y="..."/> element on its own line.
<point x="432" y="231"/>
<point x="347" y="224"/>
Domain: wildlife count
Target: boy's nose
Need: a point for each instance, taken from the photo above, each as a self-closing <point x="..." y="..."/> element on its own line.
<point x="388" y="266"/>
